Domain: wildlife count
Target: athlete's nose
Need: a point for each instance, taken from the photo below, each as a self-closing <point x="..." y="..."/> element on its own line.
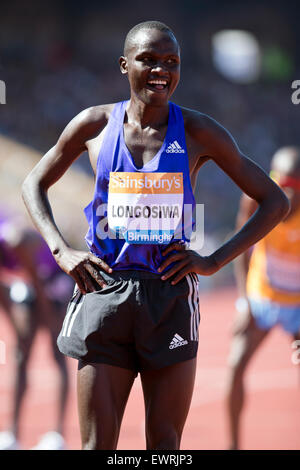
<point x="158" y="67"/>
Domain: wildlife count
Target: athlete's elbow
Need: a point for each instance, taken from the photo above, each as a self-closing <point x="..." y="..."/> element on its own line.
<point x="286" y="205"/>
<point x="281" y="205"/>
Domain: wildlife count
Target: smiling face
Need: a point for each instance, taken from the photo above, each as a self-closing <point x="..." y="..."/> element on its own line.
<point x="152" y="63"/>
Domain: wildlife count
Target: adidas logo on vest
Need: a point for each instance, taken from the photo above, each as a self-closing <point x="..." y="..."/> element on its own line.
<point x="177" y="341"/>
<point x="174" y="147"/>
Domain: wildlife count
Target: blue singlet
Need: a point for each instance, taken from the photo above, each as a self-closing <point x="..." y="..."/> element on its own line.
<point x="136" y="212"/>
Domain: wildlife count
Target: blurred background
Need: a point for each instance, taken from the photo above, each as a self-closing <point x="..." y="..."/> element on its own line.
<point x="57" y="57"/>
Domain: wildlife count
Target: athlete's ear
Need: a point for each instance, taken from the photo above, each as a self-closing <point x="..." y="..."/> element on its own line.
<point x="123" y="64"/>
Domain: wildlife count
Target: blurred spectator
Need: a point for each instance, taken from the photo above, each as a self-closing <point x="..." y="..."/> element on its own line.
<point x="33" y="294"/>
<point x="268" y="280"/>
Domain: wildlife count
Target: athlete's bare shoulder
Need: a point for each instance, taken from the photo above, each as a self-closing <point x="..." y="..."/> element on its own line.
<point x="99" y="112"/>
<point x="192" y="116"/>
<point x="213" y="140"/>
<point x="89" y="122"/>
<point x="198" y="124"/>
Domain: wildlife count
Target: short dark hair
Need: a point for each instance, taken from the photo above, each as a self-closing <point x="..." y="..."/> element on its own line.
<point x="158" y="25"/>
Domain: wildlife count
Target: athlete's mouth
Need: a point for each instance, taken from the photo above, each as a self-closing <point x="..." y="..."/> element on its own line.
<point x="157" y="84"/>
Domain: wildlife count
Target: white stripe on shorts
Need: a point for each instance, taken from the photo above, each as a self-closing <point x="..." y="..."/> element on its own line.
<point x="75" y="313"/>
<point x="194" y="305"/>
<point x="197" y="306"/>
<point x="72" y="308"/>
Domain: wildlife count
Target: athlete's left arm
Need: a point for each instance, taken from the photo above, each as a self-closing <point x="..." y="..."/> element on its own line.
<point x="218" y="145"/>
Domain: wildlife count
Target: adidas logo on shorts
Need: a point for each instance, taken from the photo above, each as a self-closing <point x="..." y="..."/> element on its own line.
<point x="174" y="147"/>
<point x="177" y="341"/>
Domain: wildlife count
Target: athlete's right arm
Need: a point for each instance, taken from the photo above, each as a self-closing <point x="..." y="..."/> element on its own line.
<point x="72" y="142"/>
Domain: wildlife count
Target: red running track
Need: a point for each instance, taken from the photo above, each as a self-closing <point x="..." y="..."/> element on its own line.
<point x="271" y="419"/>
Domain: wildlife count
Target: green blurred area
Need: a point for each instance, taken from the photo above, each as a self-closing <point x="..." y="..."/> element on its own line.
<point x="277" y="64"/>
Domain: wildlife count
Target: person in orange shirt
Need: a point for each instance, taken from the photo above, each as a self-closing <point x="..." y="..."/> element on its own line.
<point x="268" y="281"/>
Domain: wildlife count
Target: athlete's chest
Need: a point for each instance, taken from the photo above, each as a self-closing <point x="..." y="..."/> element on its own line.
<point x="143" y="144"/>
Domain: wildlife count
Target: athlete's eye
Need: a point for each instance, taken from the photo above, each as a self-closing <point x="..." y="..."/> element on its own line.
<point x="147" y="59"/>
<point x="171" y="61"/>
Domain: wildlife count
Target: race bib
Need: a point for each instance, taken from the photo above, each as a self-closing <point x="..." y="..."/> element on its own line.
<point x="145" y="207"/>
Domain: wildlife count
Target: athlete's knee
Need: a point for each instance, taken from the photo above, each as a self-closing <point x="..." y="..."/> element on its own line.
<point x="100" y="435"/>
<point x="107" y="443"/>
<point x="22" y="353"/>
<point x="239" y="355"/>
<point x="164" y="438"/>
<point x="90" y="445"/>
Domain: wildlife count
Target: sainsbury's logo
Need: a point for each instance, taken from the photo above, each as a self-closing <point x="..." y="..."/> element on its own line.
<point x="146" y="183"/>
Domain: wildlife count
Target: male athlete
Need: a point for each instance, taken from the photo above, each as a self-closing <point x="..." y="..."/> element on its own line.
<point x="268" y="281"/>
<point x="136" y="307"/>
<point x="33" y="294"/>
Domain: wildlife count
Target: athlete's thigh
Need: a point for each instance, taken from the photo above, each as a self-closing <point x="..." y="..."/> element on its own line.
<point x="25" y="320"/>
<point x="102" y="391"/>
<point x="246" y="339"/>
<point x="54" y="324"/>
<point x="167" y="394"/>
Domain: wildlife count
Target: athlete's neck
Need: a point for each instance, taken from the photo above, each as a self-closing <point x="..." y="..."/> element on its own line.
<point x="141" y="115"/>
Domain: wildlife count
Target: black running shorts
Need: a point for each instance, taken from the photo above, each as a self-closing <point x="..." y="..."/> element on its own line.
<point x="137" y="322"/>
